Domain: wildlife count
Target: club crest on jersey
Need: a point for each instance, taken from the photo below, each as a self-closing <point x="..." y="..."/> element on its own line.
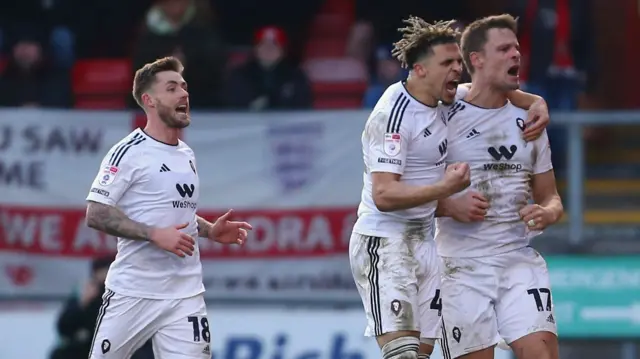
<point x="108" y="175"/>
<point x="392" y="143"/>
<point x="193" y="167"/>
<point x="520" y="123"/>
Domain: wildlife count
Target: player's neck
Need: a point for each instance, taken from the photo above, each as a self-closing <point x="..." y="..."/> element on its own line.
<point x="420" y="93"/>
<point x="158" y="131"/>
<point x="486" y="96"/>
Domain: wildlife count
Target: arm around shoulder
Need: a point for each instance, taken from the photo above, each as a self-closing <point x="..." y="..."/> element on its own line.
<point x="524" y="100"/>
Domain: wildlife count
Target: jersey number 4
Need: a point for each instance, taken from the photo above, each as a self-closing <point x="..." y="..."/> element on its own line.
<point x="204" y="323"/>
<point x="436" y="302"/>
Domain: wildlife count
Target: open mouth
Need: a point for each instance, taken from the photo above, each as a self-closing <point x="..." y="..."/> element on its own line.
<point x="514" y="70"/>
<point x="182" y="109"/>
<point x="452" y="86"/>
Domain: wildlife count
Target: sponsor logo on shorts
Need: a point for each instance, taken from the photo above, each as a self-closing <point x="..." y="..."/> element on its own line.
<point x="100" y="192"/>
<point x="391" y="161"/>
<point x="105" y="346"/>
<point x="457" y="334"/>
<point x="396" y="306"/>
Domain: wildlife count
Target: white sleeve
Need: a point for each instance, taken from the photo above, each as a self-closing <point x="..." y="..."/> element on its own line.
<point x="543" y="154"/>
<point x="461" y="92"/>
<point x="388" y="141"/>
<point x="116" y="174"/>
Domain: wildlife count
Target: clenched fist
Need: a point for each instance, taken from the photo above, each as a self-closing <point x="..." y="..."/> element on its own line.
<point x="457" y="177"/>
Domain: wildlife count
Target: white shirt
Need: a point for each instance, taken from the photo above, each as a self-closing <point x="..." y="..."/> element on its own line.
<point x="502" y="163"/>
<point x="156" y="184"/>
<point x="405" y="137"/>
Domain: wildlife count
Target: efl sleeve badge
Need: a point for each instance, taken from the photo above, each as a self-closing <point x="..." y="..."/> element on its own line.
<point x="392" y="143"/>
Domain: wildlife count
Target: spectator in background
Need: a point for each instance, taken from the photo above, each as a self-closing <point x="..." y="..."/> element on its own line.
<point x="377" y="22"/>
<point x="77" y="321"/>
<point x="181" y="28"/>
<point x="51" y="18"/>
<point x="268" y="81"/>
<point x="557" y="47"/>
<point x="30" y="79"/>
<point x="388" y="71"/>
<point x="239" y="19"/>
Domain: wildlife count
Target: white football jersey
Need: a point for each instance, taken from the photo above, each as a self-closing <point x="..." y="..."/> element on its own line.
<point x="156" y="184"/>
<point x="405" y="137"/>
<point x="502" y="163"/>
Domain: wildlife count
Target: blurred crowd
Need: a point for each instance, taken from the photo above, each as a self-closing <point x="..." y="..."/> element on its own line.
<point x="40" y="40"/>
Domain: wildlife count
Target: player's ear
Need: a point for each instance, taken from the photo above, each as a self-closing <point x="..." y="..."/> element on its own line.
<point x="147" y="100"/>
<point x="476" y="59"/>
<point x="420" y="68"/>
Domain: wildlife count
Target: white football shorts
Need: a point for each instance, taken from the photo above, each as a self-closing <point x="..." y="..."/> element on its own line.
<point x="485" y="298"/>
<point x="179" y="327"/>
<point x="399" y="283"/>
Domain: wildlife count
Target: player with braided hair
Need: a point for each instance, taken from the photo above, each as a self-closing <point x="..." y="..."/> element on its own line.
<point x="392" y="253"/>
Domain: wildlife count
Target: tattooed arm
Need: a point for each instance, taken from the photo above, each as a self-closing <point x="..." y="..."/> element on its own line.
<point x="204" y="227"/>
<point x="111" y="220"/>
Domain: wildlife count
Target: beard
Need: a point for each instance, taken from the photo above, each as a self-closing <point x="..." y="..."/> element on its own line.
<point x="170" y="117"/>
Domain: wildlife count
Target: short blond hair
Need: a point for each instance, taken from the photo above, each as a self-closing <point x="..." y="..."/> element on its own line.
<point x="474" y="37"/>
<point x="419" y="37"/>
<point x="146" y="75"/>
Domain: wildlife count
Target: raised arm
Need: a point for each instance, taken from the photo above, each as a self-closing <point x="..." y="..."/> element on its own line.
<point x="524" y="100"/>
<point x="537" y="115"/>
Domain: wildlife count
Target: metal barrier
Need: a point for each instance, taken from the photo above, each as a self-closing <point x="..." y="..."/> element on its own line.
<point x="575" y="123"/>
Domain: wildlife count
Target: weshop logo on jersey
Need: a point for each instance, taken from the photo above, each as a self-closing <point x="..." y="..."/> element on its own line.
<point x="185" y="191"/>
<point x="500" y="153"/>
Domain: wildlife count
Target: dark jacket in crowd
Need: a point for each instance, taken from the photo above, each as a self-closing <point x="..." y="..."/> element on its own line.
<point x="284" y="86"/>
<point x="76" y="326"/>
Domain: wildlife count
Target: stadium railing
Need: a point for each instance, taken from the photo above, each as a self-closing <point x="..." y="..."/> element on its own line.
<point x="575" y="122"/>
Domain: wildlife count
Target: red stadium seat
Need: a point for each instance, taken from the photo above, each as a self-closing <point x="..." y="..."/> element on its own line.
<point x="341" y="69"/>
<point x="338" y="95"/>
<point x="330" y="26"/>
<point x="102" y="83"/>
<point x="102" y="76"/>
<point x="101" y="102"/>
<point x="238" y="56"/>
<point x="330" y="47"/>
<point x="338" y="83"/>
